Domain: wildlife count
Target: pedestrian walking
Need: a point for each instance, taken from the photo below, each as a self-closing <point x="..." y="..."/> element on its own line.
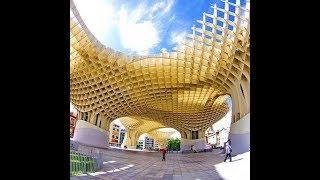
<point x="164" y="151"/>
<point x="228" y="150"/>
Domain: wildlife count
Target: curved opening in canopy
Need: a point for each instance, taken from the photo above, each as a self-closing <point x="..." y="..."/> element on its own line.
<point x="217" y="134"/>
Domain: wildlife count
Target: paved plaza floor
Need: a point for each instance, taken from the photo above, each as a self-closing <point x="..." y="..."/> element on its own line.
<point x="195" y="166"/>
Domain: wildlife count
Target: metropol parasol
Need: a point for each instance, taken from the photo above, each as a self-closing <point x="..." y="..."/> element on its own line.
<point x="185" y="89"/>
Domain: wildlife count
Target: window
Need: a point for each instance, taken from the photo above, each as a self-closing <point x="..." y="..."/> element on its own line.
<point x="85" y="118"/>
<point x="100" y="124"/>
<point x="97" y="117"/>
<point x="195" y="135"/>
<point x="241" y="90"/>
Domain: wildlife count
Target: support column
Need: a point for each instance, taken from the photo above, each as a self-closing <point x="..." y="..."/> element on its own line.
<point x="130" y="139"/>
<point x="92" y="117"/>
<point x="78" y="115"/>
<point x="240" y="135"/>
<point x="162" y="141"/>
<point x="198" y="144"/>
<point x="240" y="100"/>
<point x="91" y="135"/>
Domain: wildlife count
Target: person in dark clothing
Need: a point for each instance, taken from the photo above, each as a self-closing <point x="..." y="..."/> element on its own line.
<point x="193" y="149"/>
<point x="228" y="150"/>
<point x="164" y="151"/>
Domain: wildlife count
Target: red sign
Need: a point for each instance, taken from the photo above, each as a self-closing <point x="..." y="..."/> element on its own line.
<point x="72" y="124"/>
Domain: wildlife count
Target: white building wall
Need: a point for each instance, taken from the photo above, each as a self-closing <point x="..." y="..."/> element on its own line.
<point x="240" y="135"/>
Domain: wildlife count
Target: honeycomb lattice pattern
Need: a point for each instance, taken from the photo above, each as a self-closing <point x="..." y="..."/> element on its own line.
<point x="185" y="89"/>
<point x="136" y="126"/>
<point x="160" y="136"/>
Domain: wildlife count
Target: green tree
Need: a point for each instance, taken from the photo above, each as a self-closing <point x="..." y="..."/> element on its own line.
<point x="173" y="144"/>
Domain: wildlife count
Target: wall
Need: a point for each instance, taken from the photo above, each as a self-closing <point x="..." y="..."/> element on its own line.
<point x="240" y="135"/>
<point x="91" y="135"/>
<point x="89" y="151"/>
<point x="199" y="144"/>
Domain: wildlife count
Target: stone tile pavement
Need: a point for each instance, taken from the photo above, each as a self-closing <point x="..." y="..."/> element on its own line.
<point x="122" y="165"/>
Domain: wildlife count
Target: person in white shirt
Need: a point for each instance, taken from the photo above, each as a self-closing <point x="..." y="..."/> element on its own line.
<point x="228" y="150"/>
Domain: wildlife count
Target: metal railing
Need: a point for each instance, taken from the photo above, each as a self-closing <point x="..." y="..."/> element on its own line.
<point x="81" y="163"/>
<point x="84" y="159"/>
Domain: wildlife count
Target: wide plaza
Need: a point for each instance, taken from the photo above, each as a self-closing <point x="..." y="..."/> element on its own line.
<point x="121" y="164"/>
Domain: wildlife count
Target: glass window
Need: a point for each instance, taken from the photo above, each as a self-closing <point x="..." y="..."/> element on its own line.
<point x="241" y="90"/>
<point x="195" y="135"/>
<point x="85" y="116"/>
<point x="97" y="117"/>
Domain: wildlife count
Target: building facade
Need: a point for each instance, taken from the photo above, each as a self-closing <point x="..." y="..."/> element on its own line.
<point x="223" y="136"/>
<point x="114" y="137"/>
<point x="73" y="119"/>
<point x="156" y="145"/>
<point x="210" y="136"/>
<point x="148" y="143"/>
<point x="122" y="134"/>
<point x="217" y="137"/>
<point x="140" y="144"/>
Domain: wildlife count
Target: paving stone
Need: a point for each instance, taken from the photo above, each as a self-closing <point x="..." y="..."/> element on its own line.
<point x="124" y="166"/>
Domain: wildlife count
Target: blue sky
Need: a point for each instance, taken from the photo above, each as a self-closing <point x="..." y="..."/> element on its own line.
<point x="144" y="26"/>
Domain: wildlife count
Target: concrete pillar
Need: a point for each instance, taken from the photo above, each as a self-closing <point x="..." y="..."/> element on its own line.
<point x="78" y="115"/>
<point x="162" y="141"/>
<point x="183" y="134"/>
<point x="91" y="135"/>
<point x="130" y="139"/>
<point x="189" y="135"/>
<point x="198" y="144"/>
<point x="201" y="133"/>
<point x="92" y="117"/>
<point x="240" y="135"/>
<point x="246" y="90"/>
<point x="105" y="123"/>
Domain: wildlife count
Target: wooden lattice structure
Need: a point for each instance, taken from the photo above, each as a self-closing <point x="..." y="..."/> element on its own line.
<point x="185" y="89"/>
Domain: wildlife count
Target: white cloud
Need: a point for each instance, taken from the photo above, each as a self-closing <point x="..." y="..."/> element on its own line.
<point x="136" y="34"/>
<point x="168" y="7"/>
<point x="157" y="6"/>
<point x="224" y="122"/>
<point x="98" y="15"/>
<point x="137" y="29"/>
<point x="171" y="19"/>
<point x="162" y="6"/>
<point x="140" y="27"/>
<point x="163" y="50"/>
<point x="177" y="36"/>
<point x="138" y="13"/>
